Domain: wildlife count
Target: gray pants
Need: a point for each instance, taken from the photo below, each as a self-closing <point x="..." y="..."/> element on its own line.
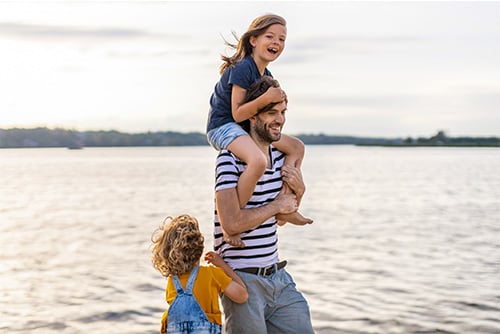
<point x="274" y="306"/>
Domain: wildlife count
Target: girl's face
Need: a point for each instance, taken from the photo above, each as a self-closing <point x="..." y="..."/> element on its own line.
<point x="268" y="46"/>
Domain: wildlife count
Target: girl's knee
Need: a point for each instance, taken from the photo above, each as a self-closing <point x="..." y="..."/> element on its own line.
<point x="258" y="163"/>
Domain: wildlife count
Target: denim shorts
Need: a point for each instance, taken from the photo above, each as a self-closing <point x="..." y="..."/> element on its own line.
<point x="274" y="306"/>
<point x="221" y="137"/>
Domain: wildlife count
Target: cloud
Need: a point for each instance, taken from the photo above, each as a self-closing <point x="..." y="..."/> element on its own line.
<point x="486" y="100"/>
<point x="326" y="41"/>
<point x="310" y="48"/>
<point x="32" y="31"/>
<point x="48" y="31"/>
<point x="366" y="101"/>
<point x="135" y="43"/>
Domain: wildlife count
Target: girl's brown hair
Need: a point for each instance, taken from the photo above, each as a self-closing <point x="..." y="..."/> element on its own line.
<point x="177" y="245"/>
<point x="244" y="48"/>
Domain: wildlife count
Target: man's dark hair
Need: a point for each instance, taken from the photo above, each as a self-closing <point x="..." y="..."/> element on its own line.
<point x="254" y="91"/>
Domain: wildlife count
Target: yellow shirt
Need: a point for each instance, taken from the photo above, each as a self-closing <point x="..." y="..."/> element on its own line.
<point x="207" y="286"/>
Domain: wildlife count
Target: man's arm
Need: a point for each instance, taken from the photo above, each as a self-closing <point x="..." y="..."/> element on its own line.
<point x="235" y="220"/>
<point x="292" y="176"/>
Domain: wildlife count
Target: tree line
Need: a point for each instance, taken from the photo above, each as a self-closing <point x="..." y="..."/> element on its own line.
<point x="44" y="137"/>
<point x="59" y="137"/>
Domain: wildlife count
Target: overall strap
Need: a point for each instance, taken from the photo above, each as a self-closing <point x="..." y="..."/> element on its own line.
<point x="192" y="277"/>
<point x="189" y="288"/>
<point x="177" y="284"/>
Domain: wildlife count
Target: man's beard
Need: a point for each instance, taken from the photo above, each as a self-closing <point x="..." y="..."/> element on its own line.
<point x="263" y="132"/>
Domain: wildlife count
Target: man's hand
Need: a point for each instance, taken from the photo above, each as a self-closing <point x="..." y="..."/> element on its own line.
<point x="235" y="220"/>
<point x="293" y="177"/>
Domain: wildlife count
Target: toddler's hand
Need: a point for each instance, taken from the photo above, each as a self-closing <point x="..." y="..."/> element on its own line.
<point x="214" y="258"/>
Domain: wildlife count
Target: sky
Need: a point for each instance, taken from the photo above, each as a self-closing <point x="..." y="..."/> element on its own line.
<point x="377" y="69"/>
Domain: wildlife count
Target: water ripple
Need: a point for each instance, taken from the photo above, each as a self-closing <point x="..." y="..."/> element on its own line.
<point x="403" y="241"/>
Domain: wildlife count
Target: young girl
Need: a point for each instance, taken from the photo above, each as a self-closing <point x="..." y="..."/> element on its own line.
<point x="261" y="44"/>
<point x="177" y="249"/>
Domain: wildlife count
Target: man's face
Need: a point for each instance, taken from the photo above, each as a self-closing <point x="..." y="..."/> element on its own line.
<point x="268" y="124"/>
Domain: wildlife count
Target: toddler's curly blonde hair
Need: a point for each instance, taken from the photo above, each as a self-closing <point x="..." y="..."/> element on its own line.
<point x="177" y="245"/>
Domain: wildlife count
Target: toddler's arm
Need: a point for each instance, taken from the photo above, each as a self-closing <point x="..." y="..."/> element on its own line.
<point x="236" y="290"/>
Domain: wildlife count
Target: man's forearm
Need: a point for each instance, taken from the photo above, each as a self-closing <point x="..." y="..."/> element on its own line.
<point x="235" y="220"/>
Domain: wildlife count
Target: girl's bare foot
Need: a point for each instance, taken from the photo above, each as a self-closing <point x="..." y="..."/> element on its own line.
<point x="281" y="222"/>
<point x="233" y="240"/>
<point x="295" y="218"/>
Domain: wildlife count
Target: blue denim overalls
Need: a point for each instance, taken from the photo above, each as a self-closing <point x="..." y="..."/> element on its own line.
<point x="185" y="315"/>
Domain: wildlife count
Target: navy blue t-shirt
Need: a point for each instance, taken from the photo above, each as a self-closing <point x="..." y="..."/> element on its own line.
<point x="243" y="74"/>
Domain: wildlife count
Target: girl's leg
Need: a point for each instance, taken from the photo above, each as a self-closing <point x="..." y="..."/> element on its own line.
<point x="245" y="149"/>
<point x="294" y="149"/>
<point x="296" y="217"/>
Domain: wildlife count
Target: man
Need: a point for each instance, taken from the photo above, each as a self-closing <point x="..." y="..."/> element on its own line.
<point x="274" y="304"/>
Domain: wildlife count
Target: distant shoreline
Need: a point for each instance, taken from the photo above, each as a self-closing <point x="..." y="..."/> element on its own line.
<point x="431" y="145"/>
<point x="73" y="139"/>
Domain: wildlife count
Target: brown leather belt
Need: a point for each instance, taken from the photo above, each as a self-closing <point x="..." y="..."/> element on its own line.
<point x="265" y="271"/>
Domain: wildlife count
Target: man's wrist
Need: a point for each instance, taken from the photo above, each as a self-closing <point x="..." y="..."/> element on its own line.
<point x="275" y="207"/>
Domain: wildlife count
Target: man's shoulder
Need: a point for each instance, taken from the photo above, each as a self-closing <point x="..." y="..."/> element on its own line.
<point x="226" y="155"/>
<point x="227" y="161"/>
<point x="227" y="170"/>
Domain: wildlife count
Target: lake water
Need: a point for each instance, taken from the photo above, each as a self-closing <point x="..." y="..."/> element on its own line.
<point x="405" y="240"/>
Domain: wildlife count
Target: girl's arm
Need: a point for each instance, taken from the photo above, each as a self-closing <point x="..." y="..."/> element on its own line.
<point x="236" y="290"/>
<point x="242" y="112"/>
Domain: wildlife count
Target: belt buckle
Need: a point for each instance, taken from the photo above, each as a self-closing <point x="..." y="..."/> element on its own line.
<point x="267" y="270"/>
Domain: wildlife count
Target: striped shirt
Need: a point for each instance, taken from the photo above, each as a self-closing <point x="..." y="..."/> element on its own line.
<point x="261" y="248"/>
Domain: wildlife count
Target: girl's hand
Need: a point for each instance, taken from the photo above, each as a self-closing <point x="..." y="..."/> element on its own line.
<point x="276" y="94"/>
